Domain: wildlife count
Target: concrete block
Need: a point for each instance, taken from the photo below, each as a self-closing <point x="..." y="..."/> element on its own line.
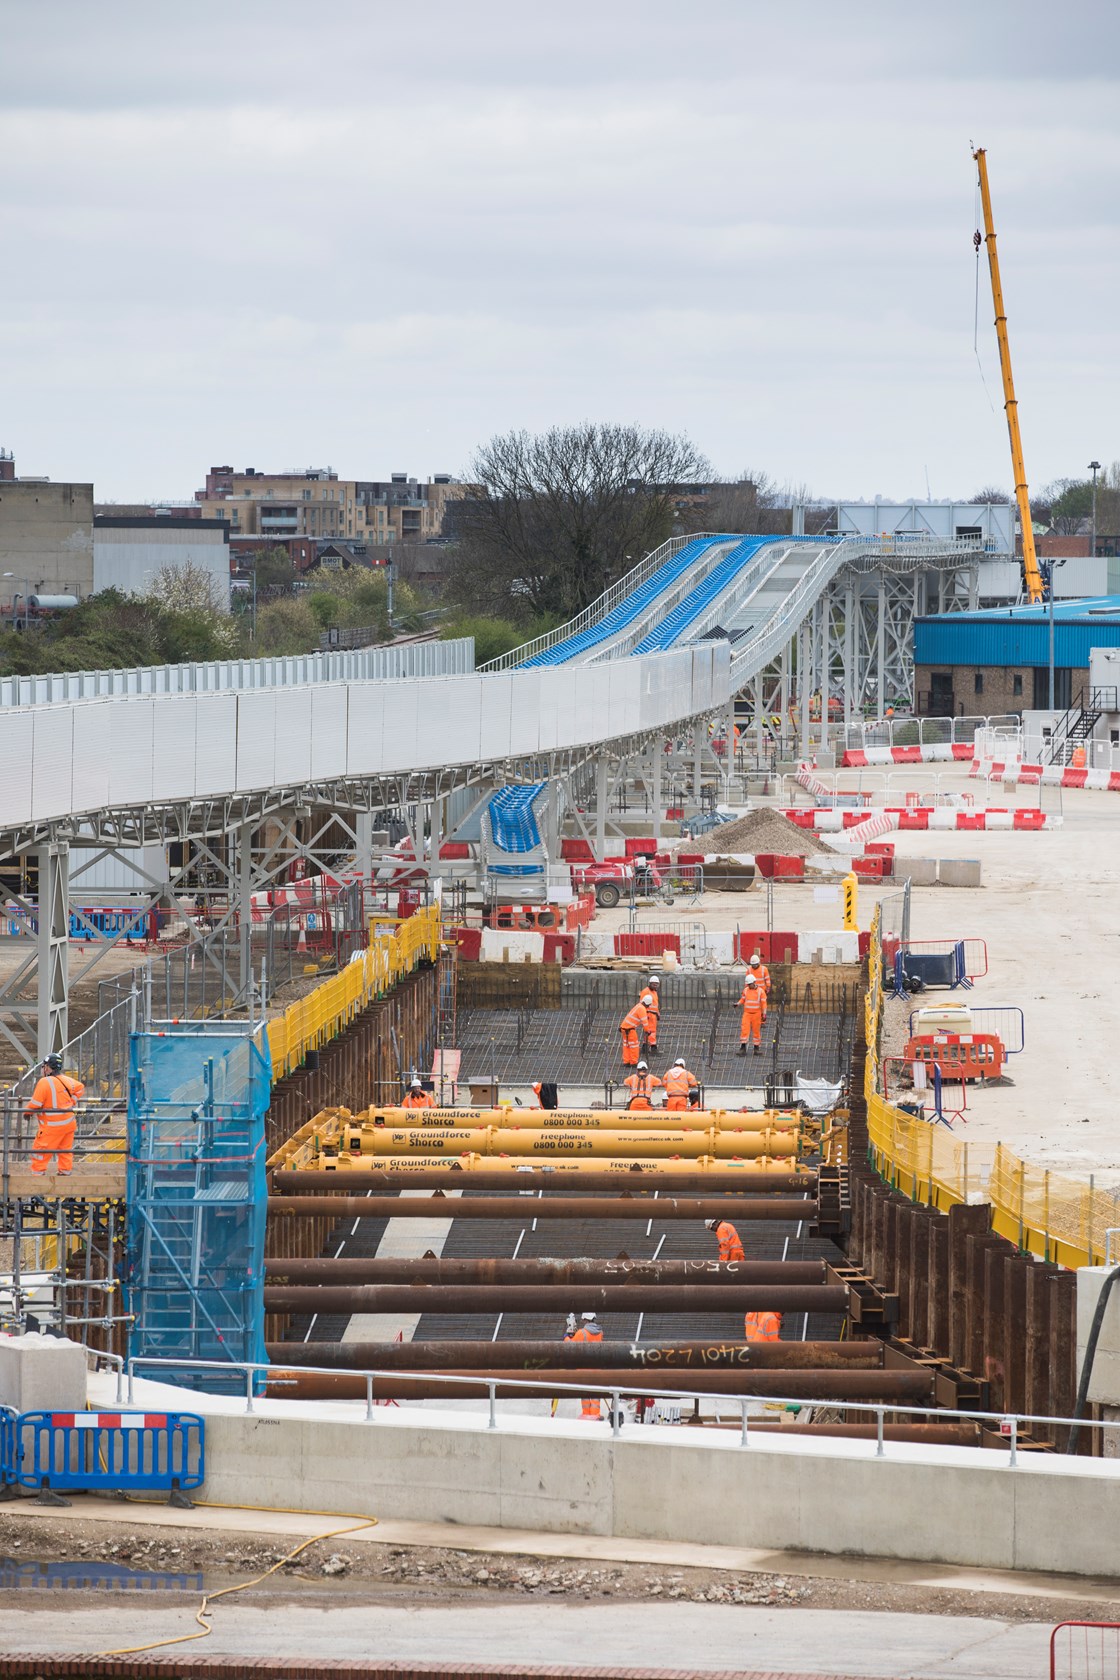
<point x="921" y="872"/>
<point x="42" y="1373"/>
<point x="959" y="872"/>
<point x="1104" y="1385"/>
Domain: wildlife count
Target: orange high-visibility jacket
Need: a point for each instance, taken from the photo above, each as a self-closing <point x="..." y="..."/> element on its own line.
<point x="752" y="1001"/>
<point x="641" y="1086"/>
<point x="55" y="1096"/>
<point x="762" y="1327"/>
<point x="679" y="1082"/>
<point x="730" y="1245"/>
<point x="635" y="1018"/>
<point x="762" y="975"/>
<point x="650" y="1001"/>
<point x="419" y="1099"/>
<point x="586" y="1334"/>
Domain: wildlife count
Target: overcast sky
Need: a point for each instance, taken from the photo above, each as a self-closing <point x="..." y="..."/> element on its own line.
<point x="373" y="234"/>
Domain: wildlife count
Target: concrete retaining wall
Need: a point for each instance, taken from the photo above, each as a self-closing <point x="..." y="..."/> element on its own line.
<point x="940" y="1505"/>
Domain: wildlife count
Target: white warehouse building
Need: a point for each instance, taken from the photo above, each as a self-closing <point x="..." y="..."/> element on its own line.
<point x="128" y="552"/>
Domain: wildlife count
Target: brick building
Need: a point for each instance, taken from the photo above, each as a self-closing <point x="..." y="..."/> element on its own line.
<point x="998" y="661"/>
<point x="316" y="503"/>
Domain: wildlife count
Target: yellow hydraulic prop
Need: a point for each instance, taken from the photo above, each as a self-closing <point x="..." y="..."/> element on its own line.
<point x="1032" y="576"/>
<point x="492" y="1140"/>
<point x="574" y="1119"/>
<point x="568" y="1167"/>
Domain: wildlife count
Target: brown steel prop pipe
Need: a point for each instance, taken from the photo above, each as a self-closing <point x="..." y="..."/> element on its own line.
<point x="656" y="1359"/>
<point x="293" y="1181"/>
<point x="491" y="1299"/>
<point x="930" y="1434"/>
<point x="520" y="1272"/>
<point x="894" y="1388"/>
<point x="787" y="1208"/>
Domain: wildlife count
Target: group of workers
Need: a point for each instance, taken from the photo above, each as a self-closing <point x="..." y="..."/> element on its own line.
<point x="640" y="1026"/>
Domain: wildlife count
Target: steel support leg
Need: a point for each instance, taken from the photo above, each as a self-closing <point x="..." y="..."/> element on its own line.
<point x="245" y="908"/>
<point x="54" y="946"/>
<point x="657" y="752"/>
<point x="601" y="784"/>
<point x="805" y="682"/>
<point x="823" y="610"/>
<point x="881" y="701"/>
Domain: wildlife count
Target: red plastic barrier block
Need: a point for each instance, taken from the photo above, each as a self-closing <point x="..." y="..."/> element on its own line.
<point x="803" y="819"/>
<point x="469" y="941"/>
<point x="854" y="760"/>
<point x="674" y="813"/>
<point x="906" y="755"/>
<point x="963" y="749"/>
<point x="852" y="819"/>
<point x="1114" y="782"/>
<point x="870" y="868"/>
<point x="1074" y="778"/>
<point x="746" y="944"/>
<point x="689" y="860"/>
<point x="454" y="849"/>
<point x="789" y="868"/>
<point x="913" y="819"/>
<point x="764" y="863"/>
<point x="559" y="947"/>
<point x="641" y="848"/>
<point x="1028" y="819"/>
<point x="971" y="820"/>
<point x="645" y="944"/>
<point x="576" y="851"/>
<point x="408" y="903"/>
<point x="880" y="848"/>
<point x="783" y="948"/>
<point x="864" y="944"/>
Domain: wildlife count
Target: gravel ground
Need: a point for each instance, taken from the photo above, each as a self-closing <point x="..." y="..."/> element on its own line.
<point x="335" y="1572"/>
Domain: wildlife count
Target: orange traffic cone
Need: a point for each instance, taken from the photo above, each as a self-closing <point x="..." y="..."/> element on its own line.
<point x="301" y="942"/>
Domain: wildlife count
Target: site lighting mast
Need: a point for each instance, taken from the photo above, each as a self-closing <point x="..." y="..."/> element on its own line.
<point x="1032" y="576"/>
<point x="1094" y="468"/>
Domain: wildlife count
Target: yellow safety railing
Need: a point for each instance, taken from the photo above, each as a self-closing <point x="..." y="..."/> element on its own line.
<point x="1046" y="1213"/>
<point x="330" y="1008"/>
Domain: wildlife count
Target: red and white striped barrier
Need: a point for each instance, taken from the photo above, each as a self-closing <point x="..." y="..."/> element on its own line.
<point x="812" y="784"/>
<point x="937" y="752"/>
<point x="1026" y="819"/>
<point x="108" y="1420"/>
<point x="1046" y="775"/>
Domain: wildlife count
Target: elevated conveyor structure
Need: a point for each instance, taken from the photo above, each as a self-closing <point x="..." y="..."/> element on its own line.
<point x="226" y="777"/>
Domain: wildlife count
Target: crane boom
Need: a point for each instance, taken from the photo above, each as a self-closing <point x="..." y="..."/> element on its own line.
<point x="1032" y="576"/>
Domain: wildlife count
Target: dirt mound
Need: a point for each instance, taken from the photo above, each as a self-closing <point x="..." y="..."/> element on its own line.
<point x="758" y="831"/>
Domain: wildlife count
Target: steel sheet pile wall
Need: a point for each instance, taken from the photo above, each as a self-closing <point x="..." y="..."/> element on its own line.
<point x="999" y="1326"/>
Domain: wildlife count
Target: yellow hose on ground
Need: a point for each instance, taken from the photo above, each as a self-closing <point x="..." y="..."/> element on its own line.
<point x="224" y="1592"/>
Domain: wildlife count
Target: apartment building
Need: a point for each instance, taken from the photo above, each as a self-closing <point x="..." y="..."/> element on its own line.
<point x="316" y="503"/>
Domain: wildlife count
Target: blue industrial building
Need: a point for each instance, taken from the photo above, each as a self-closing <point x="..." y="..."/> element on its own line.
<point x="999" y="660"/>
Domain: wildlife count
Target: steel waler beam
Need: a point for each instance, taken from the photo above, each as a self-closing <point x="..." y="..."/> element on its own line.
<point x="491" y="1299"/>
<point x="787" y="1208"/>
<point x="544" y="1271"/>
<point x="357" y="1181"/>
<point x="656" y="1359"/>
<point x="894" y="1388"/>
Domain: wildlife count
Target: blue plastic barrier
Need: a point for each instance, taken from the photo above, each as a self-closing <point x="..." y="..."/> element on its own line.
<point x="7" y="1444"/>
<point x="142" y="1452"/>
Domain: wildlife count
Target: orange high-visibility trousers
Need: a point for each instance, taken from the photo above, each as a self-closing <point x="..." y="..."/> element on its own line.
<point x="677" y="1103"/>
<point x="629" y="1046"/>
<point x="54" y="1137"/>
<point x="750" y="1026"/>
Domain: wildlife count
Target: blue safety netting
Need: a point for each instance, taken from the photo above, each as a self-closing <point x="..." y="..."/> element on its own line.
<point x="197" y="1098"/>
<point x="628" y="609"/>
<point x="687" y="611"/>
<point x="513" y="822"/>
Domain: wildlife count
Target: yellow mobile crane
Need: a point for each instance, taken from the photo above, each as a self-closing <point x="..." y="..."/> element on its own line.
<point x="1032" y="576"/>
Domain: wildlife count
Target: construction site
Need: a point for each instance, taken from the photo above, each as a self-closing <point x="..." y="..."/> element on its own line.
<point x="628" y="1122"/>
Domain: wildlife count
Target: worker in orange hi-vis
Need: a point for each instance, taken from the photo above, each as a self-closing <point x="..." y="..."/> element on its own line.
<point x="417" y="1097"/>
<point x="679" y="1085"/>
<point x="761" y="973"/>
<point x="730" y="1245"/>
<point x="590" y="1330"/>
<point x="752" y="1001"/>
<point x="762" y="1327"/>
<point x="635" y="1021"/>
<point x="651" y="1003"/>
<point x="641" y="1084"/>
<point x="55" y="1099"/>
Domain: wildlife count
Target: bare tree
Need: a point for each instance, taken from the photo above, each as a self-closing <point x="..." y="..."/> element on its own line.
<point x="750" y="503"/>
<point x="556" y="518"/>
<point x="991" y="496"/>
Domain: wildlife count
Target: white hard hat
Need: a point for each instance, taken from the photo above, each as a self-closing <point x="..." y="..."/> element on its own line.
<point x="416" y="1084"/>
<point x="751" y="981"/>
<point x="755" y="959"/>
<point x="587" y="1315"/>
<point x="654" y="980"/>
<point x="679" y="1062"/>
<point x="644" y="1065"/>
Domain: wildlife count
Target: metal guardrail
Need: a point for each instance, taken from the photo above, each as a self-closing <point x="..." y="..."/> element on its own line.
<point x="1008" y="1424"/>
<point x="371" y="664"/>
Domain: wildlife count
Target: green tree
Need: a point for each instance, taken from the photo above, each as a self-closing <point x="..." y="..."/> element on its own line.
<point x="1071" y="506"/>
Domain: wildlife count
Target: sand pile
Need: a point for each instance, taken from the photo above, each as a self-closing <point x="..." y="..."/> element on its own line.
<point x="758" y="831"/>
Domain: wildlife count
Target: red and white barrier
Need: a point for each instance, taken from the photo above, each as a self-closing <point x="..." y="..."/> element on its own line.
<point x="1046" y="775"/>
<point x="927" y="817"/>
<point x="108" y="1420"/>
<point x="935" y="752"/>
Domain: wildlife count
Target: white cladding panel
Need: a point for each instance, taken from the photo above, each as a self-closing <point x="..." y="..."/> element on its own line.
<point x="215" y="743"/>
<point x="495" y="701"/>
<point x="548" y="708"/>
<point x="256" y="739"/>
<point x="365" y="727"/>
<point x="92" y="755"/>
<point x="131" y="750"/>
<point x="328" y="729"/>
<point x="129" y="559"/>
<point x="173" y="720"/>
<point x="456" y="702"/>
<point x="525" y="705"/>
<point x="293" y="735"/>
<point x="623" y="708"/>
<point x="400" y="748"/>
<point x="92" y="874"/>
<point x="52" y="763"/>
<point x="995" y="521"/>
<point x="16" y="754"/>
